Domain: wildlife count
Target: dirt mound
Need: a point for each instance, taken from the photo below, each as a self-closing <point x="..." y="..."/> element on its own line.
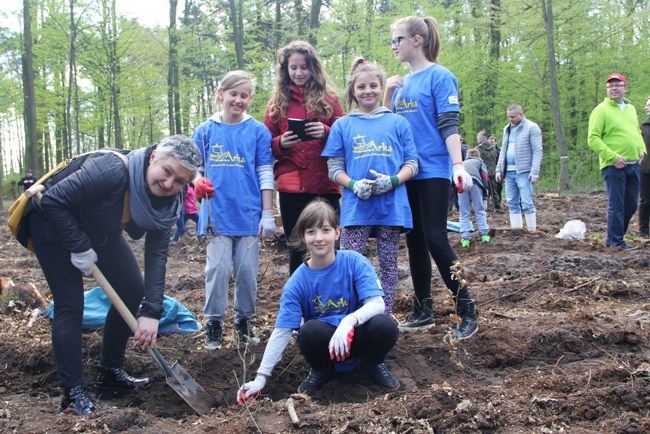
<point x="563" y="346"/>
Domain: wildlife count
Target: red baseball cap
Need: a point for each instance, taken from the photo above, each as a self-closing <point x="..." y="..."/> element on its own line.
<point x="618" y="77"/>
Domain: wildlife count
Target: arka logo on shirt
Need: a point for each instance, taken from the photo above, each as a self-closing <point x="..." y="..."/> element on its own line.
<point x="330" y="306"/>
<point x="217" y="155"/>
<point x="361" y="147"/>
<point x="402" y="104"/>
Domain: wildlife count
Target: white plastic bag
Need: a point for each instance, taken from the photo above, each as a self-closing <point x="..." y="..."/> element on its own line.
<point x="572" y="230"/>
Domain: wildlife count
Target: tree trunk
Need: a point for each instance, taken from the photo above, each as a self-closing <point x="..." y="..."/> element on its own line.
<point x="115" y="73"/>
<point x="31" y="141"/>
<point x="66" y="150"/>
<point x="493" y="59"/>
<point x="172" y="72"/>
<point x="314" y="20"/>
<point x="547" y="7"/>
<point x="237" y="33"/>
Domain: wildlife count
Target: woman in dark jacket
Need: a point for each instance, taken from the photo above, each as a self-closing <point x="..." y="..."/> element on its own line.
<point x="78" y="223"/>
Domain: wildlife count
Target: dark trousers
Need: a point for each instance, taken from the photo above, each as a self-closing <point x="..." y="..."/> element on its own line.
<point x="428" y="199"/>
<point x="644" y="203"/>
<point x="291" y="205"/>
<point x="622" y="200"/>
<point x="118" y="264"/>
<point x="495" y="192"/>
<point x="372" y="341"/>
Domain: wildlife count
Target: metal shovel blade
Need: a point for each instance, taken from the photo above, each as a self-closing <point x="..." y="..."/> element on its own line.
<point x="183" y="383"/>
<point x="190" y="390"/>
<point x="176" y="376"/>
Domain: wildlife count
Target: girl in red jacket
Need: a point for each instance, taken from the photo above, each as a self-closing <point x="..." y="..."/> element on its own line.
<point x="301" y="92"/>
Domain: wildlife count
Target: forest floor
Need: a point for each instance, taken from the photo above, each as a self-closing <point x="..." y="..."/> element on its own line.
<point x="563" y="346"/>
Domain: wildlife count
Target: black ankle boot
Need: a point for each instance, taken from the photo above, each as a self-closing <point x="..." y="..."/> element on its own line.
<point x="77" y="400"/>
<point x="112" y="382"/>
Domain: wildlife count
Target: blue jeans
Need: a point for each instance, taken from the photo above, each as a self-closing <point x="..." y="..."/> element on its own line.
<point x="622" y="200"/>
<point x="519" y="193"/>
<point x="474" y="196"/>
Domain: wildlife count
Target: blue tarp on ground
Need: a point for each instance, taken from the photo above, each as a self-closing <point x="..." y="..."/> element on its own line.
<point x="176" y="317"/>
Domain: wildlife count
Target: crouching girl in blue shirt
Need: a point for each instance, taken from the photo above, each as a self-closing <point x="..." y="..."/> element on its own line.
<point x="339" y="296"/>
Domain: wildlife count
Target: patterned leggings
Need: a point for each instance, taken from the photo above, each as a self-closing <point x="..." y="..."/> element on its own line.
<point x="356" y="238"/>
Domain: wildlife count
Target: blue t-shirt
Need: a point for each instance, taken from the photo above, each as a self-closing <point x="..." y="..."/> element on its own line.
<point x="233" y="153"/>
<point x="330" y="293"/>
<point x="425" y="95"/>
<point x="381" y="143"/>
<point x="511" y="155"/>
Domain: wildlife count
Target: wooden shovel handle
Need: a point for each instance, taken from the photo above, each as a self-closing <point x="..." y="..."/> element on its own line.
<point x="115" y="299"/>
<point x="128" y="317"/>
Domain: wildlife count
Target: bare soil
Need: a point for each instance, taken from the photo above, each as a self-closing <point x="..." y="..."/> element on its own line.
<point x="563" y="346"/>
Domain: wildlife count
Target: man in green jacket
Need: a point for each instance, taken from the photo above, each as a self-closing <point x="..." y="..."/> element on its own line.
<point x="615" y="135"/>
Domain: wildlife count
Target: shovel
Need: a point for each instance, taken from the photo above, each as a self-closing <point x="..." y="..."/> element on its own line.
<point x="176" y="376"/>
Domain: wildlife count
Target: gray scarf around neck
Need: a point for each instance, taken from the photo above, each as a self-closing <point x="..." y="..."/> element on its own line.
<point x="143" y="212"/>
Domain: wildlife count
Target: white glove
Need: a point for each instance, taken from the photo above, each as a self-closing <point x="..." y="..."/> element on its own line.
<point x="267" y="224"/>
<point x="383" y="183"/>
<point x="498" y="177"/>
<point x="84" y="261"/>
<point x="251" y="389"/>
<point x="532" y="178"/>
<point x="362" y="188"/>
<point x="342" y="339"/>
<point x="461" y="178"/>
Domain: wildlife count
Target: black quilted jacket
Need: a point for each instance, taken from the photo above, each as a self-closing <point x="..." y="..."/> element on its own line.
<point x="84" y="203"/>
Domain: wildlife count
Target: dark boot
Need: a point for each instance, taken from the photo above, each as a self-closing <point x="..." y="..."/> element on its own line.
<point x="421" y="318"/>
<point x="112" y="382"/>
<point x="213" y="335"/>
<point x="314" y="381"/>
<point x="246" y="333"/>
<point x="381" y="375"/>
<point x="469" y="323"/>
<point x="77" y="400"/>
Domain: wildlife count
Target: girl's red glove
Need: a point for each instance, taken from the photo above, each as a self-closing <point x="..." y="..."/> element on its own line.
<point x="204" y="188"/>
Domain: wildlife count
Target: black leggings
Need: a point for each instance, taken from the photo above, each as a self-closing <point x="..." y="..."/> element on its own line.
<point x="118" y="264"/>
<point x="372" y="341"/>
<point x="429" y="205"/>
<point x="291" y="205"/>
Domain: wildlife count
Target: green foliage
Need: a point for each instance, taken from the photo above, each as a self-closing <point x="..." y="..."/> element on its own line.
<point x="119" y="58"/>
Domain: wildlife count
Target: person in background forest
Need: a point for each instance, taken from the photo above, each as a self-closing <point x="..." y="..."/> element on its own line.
<point x="301" y="91"/>
<point x="644" y="196"/>
<point x="473" y="198"/>
<point x="614" y="134"/>
<point x="28" y="180"/>
<point x="518" y="166"/>
<point x="338" y="296"/>
<point x="489" y="156"/>
<point x="428" y="98"/>
<point x="371" y="154"/>
<point x="190" y="212"/>
<point x="78" y="223"/>
<point x="499" y="185"/>
<point x="237" y="162"/>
